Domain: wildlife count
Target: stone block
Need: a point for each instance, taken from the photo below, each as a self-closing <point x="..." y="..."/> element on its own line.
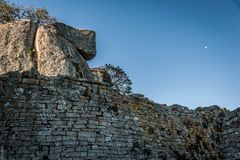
<point x="83" y="40"/>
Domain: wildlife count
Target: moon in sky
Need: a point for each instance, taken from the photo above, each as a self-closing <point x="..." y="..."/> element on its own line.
<point x="205" y="47"/>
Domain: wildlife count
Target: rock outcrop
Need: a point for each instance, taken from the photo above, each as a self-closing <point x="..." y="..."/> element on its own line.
<point x="83" y="40"/>
<point x="17" y="45"/>
<point x="57" y="56"/>
<point x="56" y="49"/>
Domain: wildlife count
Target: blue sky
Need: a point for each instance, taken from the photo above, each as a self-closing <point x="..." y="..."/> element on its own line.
<point x="176" y="52"/>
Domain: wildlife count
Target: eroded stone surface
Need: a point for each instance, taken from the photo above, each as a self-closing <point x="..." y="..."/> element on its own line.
<point x="57" y="56"/>
<point x="16" y="46"/>
<point x="83" y="40"/>
<point x="101" y="75"/>
<point x="59" y="49"/>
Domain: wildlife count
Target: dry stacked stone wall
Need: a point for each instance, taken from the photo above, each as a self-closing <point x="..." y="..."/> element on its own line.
<point x="231" y="135"/>
<point x="64" y="118"/>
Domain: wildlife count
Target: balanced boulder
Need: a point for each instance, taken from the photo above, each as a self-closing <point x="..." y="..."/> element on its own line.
<point x="83" y="40"/>
<point x="58" y="56"/>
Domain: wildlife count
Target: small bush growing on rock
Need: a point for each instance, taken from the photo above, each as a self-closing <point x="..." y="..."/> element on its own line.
<point x="120" y="80"/>
<point x="11" y="12"/>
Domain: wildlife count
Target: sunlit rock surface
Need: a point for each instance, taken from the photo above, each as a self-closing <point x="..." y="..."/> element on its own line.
<point x="17" y="46"/>
<point x="57" y="56"/>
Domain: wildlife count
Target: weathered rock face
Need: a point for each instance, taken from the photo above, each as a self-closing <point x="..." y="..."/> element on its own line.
<point x="60" y="49"/>
<point x="57" y="56"/>
<point x="16" y="46"/>
<point x="101" y="75"/>
<point x="83" y="40"/>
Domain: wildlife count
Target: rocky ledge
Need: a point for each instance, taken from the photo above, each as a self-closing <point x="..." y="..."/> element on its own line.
<point x="56" y="49"/>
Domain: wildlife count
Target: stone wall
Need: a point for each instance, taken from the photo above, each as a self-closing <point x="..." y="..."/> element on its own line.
<point x="231" y="135"/>
<point x="66" y="118"/>
<point x="53" y="116"/>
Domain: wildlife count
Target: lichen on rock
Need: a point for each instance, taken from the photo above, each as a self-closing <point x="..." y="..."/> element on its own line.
<point x="57" y="56"/>
<point x="16" y="42"/>
<point x="54" y="49"/>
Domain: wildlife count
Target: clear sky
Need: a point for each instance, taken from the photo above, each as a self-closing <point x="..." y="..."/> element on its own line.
<point x="176" y="52"/>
